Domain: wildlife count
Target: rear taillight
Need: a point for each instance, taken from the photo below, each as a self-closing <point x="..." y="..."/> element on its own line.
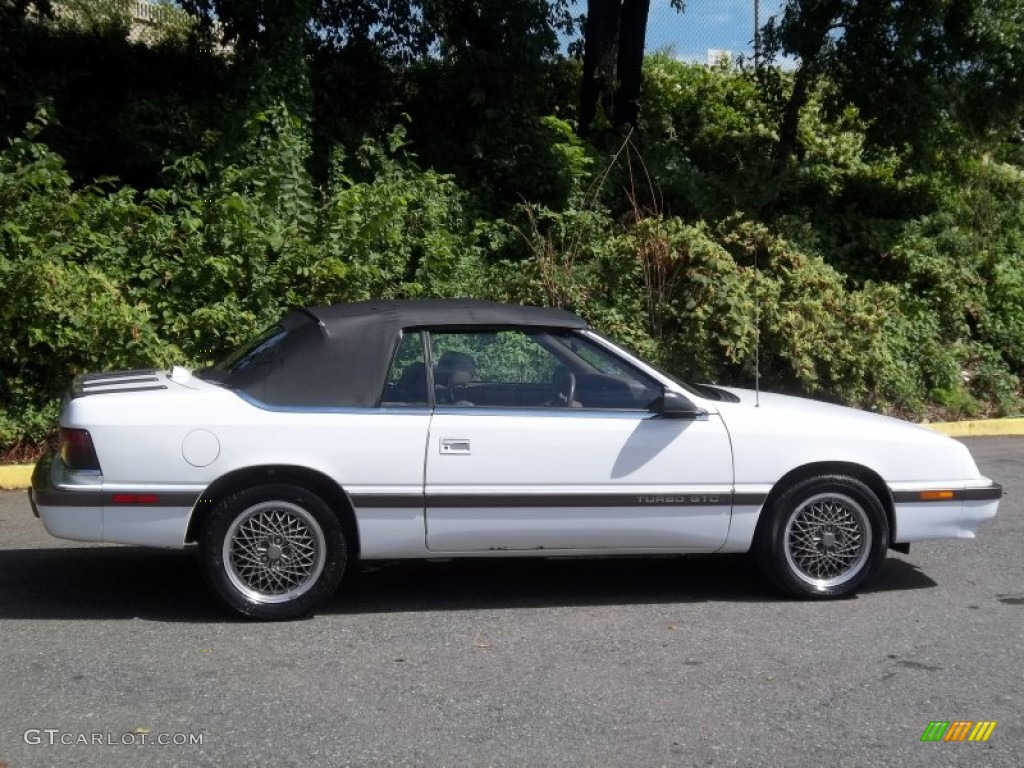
<point x="76" y="450"/>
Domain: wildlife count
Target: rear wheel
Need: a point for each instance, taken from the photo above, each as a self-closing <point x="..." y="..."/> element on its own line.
<point x="274" y="552"/>
<point x="824" y="537"/>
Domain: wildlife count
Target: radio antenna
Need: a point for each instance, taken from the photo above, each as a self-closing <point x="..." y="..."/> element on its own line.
<point x="757" y="332"/>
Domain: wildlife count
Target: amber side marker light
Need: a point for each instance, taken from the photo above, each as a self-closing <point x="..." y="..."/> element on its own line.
<point x="936" y="495"/>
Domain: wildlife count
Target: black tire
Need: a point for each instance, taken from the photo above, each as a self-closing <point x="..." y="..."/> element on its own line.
<point x="824" y="537"/>
<point x="273" y="552"/>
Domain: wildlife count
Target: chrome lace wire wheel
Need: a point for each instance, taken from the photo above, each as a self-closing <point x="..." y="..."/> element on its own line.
<point x="827" y="540"/>
<point x="274" y="552"/>
<point x="822" y="537"/>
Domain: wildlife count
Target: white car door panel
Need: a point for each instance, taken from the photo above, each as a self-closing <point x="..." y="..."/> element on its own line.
<point x="508" y="479"/>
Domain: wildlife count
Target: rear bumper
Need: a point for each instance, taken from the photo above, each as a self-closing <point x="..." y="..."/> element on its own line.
<point x="66" y="514"/>
<point x="82" y="509"/>
<point x="40" y="480"/>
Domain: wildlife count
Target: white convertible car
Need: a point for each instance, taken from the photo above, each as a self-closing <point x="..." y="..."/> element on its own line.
<point x="456" y="428"/>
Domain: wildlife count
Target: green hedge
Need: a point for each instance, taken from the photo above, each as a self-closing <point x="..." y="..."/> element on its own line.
<point x="913" y="307"/>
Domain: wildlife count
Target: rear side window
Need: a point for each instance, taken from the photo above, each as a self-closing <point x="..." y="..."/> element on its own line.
<point x="407" y="381"/>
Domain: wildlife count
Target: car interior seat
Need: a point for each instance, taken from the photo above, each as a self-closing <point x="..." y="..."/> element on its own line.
<point x="453" y="372"/>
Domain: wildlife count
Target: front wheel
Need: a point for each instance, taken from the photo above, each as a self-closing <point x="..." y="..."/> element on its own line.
<point x="824" y="537"/>
<point x="273" y="552"/>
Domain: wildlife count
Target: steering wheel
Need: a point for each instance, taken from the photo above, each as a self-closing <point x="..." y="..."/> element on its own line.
<point x="570" y="396"/>
<point x="564" y="382"/>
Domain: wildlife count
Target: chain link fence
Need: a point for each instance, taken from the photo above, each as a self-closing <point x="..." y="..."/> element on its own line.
<point x="708" y="31"/>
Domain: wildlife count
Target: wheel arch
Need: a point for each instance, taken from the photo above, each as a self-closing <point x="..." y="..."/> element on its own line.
<point x="324" y="486"/>
<point x="869" y="477"/>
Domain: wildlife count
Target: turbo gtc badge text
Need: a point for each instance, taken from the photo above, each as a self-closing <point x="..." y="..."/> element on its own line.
<point x="677" y="499"/>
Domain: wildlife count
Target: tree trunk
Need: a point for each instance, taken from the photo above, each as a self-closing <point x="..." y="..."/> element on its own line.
<point x="789" y="139"/>
<point x="810" y="36"/>
<point x="630" y="64"/>
<point x="600" y="49"/>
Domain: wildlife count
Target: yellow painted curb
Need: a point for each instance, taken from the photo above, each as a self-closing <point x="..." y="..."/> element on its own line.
<point x="16" y="477"/>
<point x="981" y="428"/>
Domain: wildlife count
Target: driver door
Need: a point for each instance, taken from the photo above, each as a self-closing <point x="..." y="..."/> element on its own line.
<point x="534" y="445"/>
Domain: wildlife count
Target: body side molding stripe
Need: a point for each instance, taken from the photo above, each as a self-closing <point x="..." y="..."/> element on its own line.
<point x="62" y="498"/>
<point x="749" y="499"/>
<point x="478" y="500"/>
<point x="383" y="500"/>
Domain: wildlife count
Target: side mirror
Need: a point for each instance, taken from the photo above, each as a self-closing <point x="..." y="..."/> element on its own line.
<point x="672" y="405"/>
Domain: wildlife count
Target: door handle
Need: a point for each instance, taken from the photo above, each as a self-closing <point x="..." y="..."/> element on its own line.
<point x="458" y="445"/>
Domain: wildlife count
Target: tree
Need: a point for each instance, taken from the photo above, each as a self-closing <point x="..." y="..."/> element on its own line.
<point x="913" y="70"/>
<point x="613" y="54"/>
<point x="270" y="41"/>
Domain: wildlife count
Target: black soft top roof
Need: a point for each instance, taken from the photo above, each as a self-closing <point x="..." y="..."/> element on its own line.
<point x="413" y="313"/>
<point x="340" y="355"/>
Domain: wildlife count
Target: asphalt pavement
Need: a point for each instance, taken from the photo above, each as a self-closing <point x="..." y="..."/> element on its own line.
<point x="116" y="656"/>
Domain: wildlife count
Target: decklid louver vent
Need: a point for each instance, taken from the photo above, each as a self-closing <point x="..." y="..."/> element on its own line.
<point x="117" y="381"/>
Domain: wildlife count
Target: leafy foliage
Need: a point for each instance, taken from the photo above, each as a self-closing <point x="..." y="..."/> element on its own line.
<point x="857" y="222"/>
<point x="102" y="277"/>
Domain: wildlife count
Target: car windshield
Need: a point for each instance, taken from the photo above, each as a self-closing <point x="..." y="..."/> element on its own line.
<point x="259" y="351"/>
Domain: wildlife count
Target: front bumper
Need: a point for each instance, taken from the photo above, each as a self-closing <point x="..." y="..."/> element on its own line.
<point x="958" y="517"/>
